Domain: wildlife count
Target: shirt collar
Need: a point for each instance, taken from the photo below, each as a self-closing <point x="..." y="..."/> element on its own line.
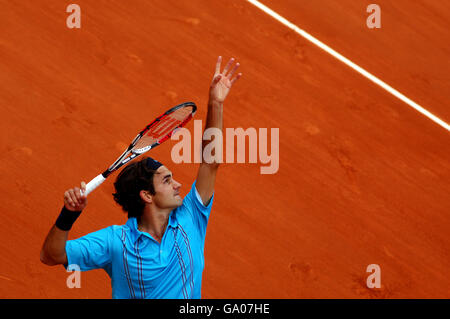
<point x="136" y="233"/>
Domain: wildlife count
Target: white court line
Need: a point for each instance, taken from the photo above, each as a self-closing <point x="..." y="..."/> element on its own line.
<point x="354" y="66"/>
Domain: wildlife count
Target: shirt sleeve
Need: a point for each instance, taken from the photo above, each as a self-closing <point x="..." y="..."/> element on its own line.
<point x="91" y="251"/>
<point x="199" y="212"/>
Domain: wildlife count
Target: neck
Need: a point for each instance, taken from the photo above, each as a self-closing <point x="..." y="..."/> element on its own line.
<point x="154" y="222"/>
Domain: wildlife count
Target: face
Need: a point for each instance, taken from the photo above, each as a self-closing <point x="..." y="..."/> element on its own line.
<point x="167" y="189"/>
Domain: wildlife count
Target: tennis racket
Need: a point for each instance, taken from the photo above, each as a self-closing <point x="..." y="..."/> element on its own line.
<point x="151" y="136"/>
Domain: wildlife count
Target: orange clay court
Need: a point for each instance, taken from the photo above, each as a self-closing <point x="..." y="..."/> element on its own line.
<point x="363" y="177"/>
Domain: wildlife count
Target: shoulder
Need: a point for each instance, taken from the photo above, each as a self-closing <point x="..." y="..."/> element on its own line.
<point x="193" y="208"/>
<point x="120" y="231"/>
<point x="193" y="199"/>
<point x="112" y="234"/>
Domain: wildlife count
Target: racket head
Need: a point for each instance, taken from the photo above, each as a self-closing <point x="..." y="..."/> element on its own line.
<point x="163" y="127"/>
<point x="155" y="133"/>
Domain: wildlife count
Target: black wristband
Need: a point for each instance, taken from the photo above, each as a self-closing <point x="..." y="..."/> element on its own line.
<point x="66" y="219"/>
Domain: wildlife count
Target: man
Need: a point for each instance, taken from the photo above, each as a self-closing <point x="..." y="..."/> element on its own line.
<point x="158" y="253"/>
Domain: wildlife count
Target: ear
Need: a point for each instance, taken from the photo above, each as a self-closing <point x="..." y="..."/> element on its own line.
<point x="146" y="196"/>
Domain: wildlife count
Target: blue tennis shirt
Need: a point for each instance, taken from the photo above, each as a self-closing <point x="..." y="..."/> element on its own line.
<point x="139" y="266"/>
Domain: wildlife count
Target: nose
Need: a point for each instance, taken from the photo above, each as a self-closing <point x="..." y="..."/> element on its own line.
<point x="176" y="185"/>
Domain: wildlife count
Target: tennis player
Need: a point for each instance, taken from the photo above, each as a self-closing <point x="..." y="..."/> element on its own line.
<point x="159" y="252"/>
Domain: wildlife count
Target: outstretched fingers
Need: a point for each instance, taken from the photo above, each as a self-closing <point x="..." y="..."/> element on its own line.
<point x="237" y="77"/>
<point x="227" y="73"/>
<point x="228" y="66"/>
<point x="234" y="70"/>
<point x="218" y="64"/>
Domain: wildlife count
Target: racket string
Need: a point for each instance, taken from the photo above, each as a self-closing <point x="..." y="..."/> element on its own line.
<point x="164" y="126"/>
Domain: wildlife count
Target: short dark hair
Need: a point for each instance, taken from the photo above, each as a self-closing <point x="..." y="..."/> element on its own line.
<point x="130" y="181"/>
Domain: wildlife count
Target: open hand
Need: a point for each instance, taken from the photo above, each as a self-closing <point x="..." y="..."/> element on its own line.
<point x="223" y="81"/>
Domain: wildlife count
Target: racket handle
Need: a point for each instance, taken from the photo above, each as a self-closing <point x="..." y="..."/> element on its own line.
<point x="93" y="184"/>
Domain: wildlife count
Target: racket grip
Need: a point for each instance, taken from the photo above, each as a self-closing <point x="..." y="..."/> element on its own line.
<point x="93" y="184"/>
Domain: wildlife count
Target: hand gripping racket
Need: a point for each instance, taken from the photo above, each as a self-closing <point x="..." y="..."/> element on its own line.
<point x="151" y="136"/>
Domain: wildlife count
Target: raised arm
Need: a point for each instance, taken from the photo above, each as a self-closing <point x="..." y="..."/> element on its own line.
<point x="218" y="91"/>
<point x="53" y="251"/>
